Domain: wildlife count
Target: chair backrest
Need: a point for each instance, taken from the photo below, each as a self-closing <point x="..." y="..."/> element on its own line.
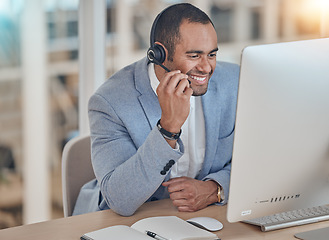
<point x="76" y="170"/>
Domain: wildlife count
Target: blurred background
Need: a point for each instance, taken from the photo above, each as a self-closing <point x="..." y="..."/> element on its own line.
<point x="41" y="69"/>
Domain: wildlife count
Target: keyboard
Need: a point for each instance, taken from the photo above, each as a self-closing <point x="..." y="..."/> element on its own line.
<point x="291" y="218"/>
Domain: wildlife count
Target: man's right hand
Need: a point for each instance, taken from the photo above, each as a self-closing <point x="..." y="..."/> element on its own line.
<point x="174" y="95"/>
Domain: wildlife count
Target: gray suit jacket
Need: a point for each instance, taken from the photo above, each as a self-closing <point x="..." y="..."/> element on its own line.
<point x="128" y="151"/>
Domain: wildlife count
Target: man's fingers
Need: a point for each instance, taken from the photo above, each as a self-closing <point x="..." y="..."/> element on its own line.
<point x="175" y="187"/>
<point x="183" y="87"/>
<point x="178" y="195"/>
<point x="172" y="80"/>
<point x="176" y="184"/>
<point x="185" y="209"/>
<point x="174" y="180"/>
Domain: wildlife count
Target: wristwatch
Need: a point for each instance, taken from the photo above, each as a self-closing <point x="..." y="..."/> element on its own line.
<point x="168" y="135"/>
<point x="220" y="194"/>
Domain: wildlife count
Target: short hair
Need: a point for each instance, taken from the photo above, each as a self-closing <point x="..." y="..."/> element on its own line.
<point x="167" y="27"/>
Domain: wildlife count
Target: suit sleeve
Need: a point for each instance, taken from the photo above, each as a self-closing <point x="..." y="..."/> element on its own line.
<point x="128" y="176"/>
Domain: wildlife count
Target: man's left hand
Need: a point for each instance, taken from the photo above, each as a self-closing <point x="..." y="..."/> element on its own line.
<point x="189" y="194"/>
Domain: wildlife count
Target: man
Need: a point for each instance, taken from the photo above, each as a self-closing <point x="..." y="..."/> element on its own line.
<point x="158" y="134"/>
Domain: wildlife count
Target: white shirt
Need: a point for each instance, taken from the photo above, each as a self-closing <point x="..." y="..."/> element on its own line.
<point x="193" y="136"/>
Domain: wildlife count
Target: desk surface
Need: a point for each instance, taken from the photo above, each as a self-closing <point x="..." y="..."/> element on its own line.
<point x="73" y="227"/>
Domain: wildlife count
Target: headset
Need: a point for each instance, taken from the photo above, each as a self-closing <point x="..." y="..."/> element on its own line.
<point x="156" y="53"/>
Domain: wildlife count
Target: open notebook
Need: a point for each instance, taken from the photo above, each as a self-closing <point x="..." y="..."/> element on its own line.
<point x="168" y="227"/>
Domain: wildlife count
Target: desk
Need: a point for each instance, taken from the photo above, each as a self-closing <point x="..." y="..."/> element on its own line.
<point x="72" y="228"/>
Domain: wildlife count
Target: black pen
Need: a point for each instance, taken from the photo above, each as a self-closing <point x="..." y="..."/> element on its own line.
<point x="155" y="236"/>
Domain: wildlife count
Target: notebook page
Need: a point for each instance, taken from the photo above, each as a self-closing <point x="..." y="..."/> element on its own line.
<point x="173" y="228"/>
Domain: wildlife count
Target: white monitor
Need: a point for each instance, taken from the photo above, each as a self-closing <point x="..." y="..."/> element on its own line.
<point x="280" y="156"/>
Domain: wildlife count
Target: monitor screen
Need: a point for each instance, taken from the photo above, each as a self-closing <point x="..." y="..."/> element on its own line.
<point x="280" y="158"/>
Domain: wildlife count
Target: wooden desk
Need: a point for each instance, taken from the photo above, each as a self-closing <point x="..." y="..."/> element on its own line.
<point x="72" y="228"/>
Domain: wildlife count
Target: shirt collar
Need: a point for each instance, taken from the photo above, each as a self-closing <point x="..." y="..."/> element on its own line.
<point x="153" y="78"/>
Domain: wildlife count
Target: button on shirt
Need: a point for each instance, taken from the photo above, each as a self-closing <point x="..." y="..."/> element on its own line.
<point x="193" y="136"/>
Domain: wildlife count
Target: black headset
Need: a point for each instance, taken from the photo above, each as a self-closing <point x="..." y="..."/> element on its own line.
<point x="156" y="53"/>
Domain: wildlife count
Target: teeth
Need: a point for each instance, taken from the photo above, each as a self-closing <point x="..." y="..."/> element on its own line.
<point x="198" y="78"/>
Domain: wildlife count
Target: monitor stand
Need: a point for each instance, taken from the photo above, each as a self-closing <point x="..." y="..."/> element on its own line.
<point x="318" y="234"/>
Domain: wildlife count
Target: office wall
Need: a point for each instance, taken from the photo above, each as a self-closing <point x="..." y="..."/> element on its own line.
<point x="238" y="23"/>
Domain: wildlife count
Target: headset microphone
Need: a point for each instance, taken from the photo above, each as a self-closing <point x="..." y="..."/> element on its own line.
<point x="150" y="54"/>
<point x="161" y="65"/>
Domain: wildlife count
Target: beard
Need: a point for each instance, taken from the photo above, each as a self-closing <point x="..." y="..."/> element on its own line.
<point x="199" y="90"/>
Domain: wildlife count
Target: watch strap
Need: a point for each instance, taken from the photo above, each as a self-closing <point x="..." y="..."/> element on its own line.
<point x="168" y="135"/>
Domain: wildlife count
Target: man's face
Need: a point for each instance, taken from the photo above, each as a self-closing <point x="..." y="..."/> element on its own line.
<point x="195" y="54"/>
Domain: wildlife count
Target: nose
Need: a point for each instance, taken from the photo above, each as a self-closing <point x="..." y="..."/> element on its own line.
<point x="204" y="65"/>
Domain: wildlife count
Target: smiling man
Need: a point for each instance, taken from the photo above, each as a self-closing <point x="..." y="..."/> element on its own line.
<point x="163" y="126"/>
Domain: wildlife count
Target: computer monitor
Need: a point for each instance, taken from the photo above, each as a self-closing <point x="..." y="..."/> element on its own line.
<point x="280" y="156"/>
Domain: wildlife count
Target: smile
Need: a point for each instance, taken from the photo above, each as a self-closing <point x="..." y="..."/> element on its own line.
<point x="199" y="80"/>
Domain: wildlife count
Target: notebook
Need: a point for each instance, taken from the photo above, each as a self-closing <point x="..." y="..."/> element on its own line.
<point x="167" y="227"/>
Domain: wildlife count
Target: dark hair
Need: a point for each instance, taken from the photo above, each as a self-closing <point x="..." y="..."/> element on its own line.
<point x="167" y="28"/>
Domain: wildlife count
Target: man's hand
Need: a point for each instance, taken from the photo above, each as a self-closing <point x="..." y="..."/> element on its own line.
<point x="190" y="195"/>
<point x="174" y="96"/>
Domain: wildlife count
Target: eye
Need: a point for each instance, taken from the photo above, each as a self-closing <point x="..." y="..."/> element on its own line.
<point x="193" y="56"/>
<point x="212" y="55"/>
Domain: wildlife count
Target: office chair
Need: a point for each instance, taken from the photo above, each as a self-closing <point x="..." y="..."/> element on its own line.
<point x="76" y="170"/>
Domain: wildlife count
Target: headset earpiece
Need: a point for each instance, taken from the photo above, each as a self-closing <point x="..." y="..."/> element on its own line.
<point x="156" y="54"/>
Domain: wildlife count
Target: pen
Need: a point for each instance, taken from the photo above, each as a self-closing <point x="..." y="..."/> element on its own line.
<point x="155" y="236"/>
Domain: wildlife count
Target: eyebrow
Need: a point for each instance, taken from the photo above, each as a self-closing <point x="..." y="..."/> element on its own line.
<point x="199" y="51"/>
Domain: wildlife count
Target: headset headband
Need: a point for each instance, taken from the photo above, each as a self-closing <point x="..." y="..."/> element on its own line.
<point x="152" y="34"/>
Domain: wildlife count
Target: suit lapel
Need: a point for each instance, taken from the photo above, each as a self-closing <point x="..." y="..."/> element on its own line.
<point x="211" y="112"/>
<point x="148" y="99"/>
<point x="151" y="107"/>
